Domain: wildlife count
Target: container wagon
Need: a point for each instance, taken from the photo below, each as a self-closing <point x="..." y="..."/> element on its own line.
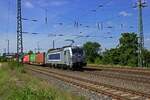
<point x="32" y="58"/>
<point x="40" y="59"/>
<point x="26" y="59"/>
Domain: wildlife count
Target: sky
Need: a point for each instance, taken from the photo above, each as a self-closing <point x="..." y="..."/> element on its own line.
<point x="114" y="17"/>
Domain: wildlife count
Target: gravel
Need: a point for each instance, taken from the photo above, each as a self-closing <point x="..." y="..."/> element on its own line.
<point x="137" y="86"/>
<point x="64" y="86"/>
<point x="142" y="87"/>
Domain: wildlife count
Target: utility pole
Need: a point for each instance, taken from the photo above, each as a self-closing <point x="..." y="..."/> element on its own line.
<point x="53" y="44"/>
<point x="5" y="50"/>
<point x="19" y="32"/>
<point x="140" y="5"/>
<point x="8" y="46"/>
<point x="38" y="46"/>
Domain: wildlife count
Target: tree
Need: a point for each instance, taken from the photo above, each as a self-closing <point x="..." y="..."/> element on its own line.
<point x="111" y="56"/>
<point x="125" y="53"/>
<point x="147" y="57"/>
<point x="128" y="47"/>
<point x="92" y="50"/>
<point x="30" y="52"/>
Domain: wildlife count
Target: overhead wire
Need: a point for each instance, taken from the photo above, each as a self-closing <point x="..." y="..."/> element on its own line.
<point x="77" y="23"/>
<point x="8" y="19"/>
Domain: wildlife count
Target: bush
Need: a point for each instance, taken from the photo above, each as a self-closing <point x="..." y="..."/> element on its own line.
<point x="16" y="66"/>
<point x="21" y="86"/>
<point x="3" y="59"/>
<point x="28" y="93"/>
<point x="98" y="60"/>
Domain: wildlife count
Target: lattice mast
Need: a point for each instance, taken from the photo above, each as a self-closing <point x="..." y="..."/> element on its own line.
<point x="141" y="5"/>
<point x="19" y="33"/>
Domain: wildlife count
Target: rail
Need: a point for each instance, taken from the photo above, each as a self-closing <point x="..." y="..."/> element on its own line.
<point x="112" y="91"/>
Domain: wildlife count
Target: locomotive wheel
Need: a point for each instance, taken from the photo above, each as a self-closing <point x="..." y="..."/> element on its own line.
<point x="65" y="67"/>
<point x="71" y="67"/>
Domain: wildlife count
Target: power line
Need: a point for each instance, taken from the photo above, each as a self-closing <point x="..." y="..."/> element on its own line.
<point x="102" y="5"/>
<point x="8" y="19"/>
<point x="8" y="46"/>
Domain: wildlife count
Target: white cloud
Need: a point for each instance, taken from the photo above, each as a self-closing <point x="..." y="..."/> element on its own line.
<point x="28" y="4"/>
<point x="125" y="14"/>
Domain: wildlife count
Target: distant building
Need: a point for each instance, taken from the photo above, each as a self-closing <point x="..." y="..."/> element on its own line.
<point x="9" y="56"/>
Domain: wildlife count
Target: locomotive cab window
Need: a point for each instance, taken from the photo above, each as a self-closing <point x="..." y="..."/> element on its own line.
<point x="77" y="51"/>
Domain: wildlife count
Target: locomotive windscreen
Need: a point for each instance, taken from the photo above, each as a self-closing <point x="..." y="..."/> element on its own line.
<point x="77" y="51"/>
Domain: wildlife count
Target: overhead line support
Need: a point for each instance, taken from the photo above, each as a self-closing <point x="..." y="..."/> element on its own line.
<point x="141" y="62"/>
<point x="19" y="33"/>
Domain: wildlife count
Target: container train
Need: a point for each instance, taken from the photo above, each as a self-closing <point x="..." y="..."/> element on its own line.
<point x="69" y="57"/>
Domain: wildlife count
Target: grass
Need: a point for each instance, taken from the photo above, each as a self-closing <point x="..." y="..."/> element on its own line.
<point x="15" y="84"/>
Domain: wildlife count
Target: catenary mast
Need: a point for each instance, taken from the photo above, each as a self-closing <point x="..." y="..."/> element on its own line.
<point x="141" y="35"/>
<point x="19" y="33"/>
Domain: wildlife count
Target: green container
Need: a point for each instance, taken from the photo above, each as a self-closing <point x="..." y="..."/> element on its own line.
<point x="32" y="57"/>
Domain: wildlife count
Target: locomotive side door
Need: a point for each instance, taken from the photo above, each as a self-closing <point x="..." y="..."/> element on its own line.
<point x="67" y="57"/>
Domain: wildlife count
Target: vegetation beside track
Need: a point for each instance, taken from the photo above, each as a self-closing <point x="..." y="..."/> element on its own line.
<point x="124" y="54"/>
<point x="16" y="84"/>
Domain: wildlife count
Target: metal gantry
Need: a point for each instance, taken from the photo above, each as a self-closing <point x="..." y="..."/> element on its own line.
<point x="19" y="32"/>
<point x="141" y="35"/>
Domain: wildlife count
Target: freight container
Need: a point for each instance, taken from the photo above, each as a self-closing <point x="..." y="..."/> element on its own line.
<point x="32" y="58"/>
<point x="40" y="58"/>
<point x="26" y="59"/>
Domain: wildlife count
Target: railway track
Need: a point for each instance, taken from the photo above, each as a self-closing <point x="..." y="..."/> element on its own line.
<point x="140" y="71"/>
<point x="141" y="79"/>
<point x="138" y="79"/>
<point x="112" y="91"/>
<point x="144" y="80"/>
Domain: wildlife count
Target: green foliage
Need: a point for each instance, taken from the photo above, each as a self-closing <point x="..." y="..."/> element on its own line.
<point x="2" y="59"/>
<point x="30" y="52"/>
<point x="111" y="56"/>
<point x="20" y="86"/>
<point x="98" y="60"/>
<point x="147" y="58"/>
<point x="92" y="50"/>
<point x="128" y="49"/>
<point x="125" y="54"/>
<point x="16" y="66"/>
<point x="28" y="93"/>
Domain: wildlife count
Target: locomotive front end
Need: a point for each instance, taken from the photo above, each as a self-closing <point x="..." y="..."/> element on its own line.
<point x="78" y="57"/>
